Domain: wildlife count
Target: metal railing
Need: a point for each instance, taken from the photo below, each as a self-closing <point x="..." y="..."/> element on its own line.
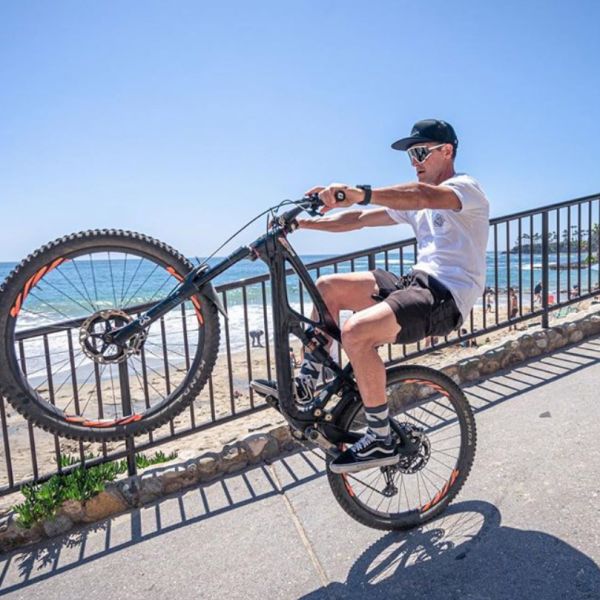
<point x="556" y="247"/>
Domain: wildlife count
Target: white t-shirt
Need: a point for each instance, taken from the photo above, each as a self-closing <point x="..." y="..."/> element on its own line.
<point x="451" y="244"/>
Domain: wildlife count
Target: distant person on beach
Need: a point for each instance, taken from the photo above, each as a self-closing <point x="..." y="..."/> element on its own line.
<point x="255" y="336"/>
<point x="537" y="293"/>
<point x="489" y="296"/>
<point x="449" y="214"/>
<point x="513" y="306"/>
<point x="575" y="291"/>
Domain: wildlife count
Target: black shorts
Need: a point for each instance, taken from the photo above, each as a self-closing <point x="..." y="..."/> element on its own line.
<point x="422" y="305"/>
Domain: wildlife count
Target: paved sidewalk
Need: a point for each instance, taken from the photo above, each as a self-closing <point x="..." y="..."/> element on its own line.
<point x="526" y="525"/>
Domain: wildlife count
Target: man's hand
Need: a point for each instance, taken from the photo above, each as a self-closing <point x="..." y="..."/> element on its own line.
<point x="327" y="195"/>
<point x="302" y="223"/>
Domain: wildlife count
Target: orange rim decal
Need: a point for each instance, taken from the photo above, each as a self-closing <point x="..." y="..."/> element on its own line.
<point x="130" y="419"/>
<point x="347" y="484"/>
<point x="39" y="275"/>
<point x="435" y="386"/>
<point x="31" y="282"/>
<point x="194" y="300"/>
<point x="175" y="273"/>
<point x="442" y="493"/>
<point x="14" y="311"/>
<point x="196" y="304"/>
<point x="87" y="423"/>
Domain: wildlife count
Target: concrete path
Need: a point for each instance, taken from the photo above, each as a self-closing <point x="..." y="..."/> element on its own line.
<point x="525" y="526"/>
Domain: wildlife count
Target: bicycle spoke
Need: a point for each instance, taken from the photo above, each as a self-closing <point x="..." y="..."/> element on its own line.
<point x="132" y="280"/>
<point x="112" y="280"/>
<point x="67" y="296"/>
<point x="152" y="385"/>
<point x="82" y="385"/>
<point x="78" y="290"/>
<point x="440" y="462"/>
<point x="93" y="277"/>
<point x="170" y="349"/>
<point x="67" y="378"/>
<point x="62" y="314"/>
<point x="161" y="288"/>
<point x="174" y="367"/>
<point x="123" y="280"/>
<point x="132" y="296"/>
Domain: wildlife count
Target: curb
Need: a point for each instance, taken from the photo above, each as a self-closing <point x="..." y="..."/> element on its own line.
<point x="154" y="483"/>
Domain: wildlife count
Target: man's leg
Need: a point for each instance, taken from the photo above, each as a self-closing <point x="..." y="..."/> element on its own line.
<point x="348" y="291"/>
<point x="361" y="335"/>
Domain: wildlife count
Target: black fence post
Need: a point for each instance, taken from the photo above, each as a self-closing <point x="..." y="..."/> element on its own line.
<point x="545" y="267"/>
<point x="126" y="403"/>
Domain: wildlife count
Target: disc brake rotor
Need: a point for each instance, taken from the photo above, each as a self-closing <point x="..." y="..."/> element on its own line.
<point x="95" y="337"/>
<point x="417" y="461"/>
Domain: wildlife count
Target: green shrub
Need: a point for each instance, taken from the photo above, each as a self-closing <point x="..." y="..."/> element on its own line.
<point x="142" y="461"/>
<point x="42" y="500"/>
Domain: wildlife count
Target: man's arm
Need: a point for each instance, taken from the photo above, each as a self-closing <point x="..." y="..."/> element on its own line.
<point x="348" y="220"/>
<point x="414" y="196"/>
<point x="406" y="196"/>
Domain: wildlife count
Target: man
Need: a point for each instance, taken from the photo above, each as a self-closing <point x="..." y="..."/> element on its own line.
<point x="449" y="214"/>
<point x="255" y="336"/>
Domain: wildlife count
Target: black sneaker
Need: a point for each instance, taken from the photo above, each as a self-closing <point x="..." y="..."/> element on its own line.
<point x="268" y="388"/>
<point x="367" y="453"/>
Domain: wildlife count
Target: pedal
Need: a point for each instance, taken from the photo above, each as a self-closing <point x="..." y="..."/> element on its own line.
<point x="265" y="388"/>
<point x="316" y="437"/>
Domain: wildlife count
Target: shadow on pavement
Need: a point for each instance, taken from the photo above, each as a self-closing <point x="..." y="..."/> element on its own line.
<point x="47" y="559"/>
<point x="532" y="374"/>
<point x="468" y="555"/>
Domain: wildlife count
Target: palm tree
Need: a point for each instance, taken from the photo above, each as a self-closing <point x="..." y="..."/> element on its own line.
<point x="596" y="237"/>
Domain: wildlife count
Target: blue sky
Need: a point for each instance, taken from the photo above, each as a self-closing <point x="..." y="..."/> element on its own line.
<point x="185" y="119"/>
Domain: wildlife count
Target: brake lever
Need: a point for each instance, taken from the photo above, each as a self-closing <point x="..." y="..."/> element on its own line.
<point x="340" y="196"/>
<point x="313" y="212"/>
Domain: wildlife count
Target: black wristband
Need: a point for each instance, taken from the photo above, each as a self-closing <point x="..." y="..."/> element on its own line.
<point x="367" y="190"/>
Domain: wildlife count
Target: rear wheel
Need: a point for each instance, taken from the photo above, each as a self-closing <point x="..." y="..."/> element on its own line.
<point x="430" y="408"/>
<point x="56" y="307"/>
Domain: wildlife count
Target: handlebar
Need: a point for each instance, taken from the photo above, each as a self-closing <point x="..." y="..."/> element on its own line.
<point x="310" y="204"/>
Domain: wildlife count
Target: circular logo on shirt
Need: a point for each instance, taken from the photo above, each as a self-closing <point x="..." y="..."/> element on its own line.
<point x="438" y="219"/>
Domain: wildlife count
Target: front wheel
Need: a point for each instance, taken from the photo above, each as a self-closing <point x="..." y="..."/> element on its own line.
<point x="428" y="406"/>
<point x="57" y="307"/>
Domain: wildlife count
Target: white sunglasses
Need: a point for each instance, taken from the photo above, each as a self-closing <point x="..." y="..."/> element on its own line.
<point x="421" y="153"/>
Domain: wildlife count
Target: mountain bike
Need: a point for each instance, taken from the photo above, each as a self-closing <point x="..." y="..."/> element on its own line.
<point x="127" y="335"/>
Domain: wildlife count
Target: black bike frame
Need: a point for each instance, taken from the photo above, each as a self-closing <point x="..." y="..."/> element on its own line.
<point x="274" y="249"/>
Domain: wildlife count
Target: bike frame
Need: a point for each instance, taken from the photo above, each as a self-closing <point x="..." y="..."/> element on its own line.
<point x="274" y="249"/>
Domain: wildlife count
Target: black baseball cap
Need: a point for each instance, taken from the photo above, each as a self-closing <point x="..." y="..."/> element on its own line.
<point x="428" y="130"/>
